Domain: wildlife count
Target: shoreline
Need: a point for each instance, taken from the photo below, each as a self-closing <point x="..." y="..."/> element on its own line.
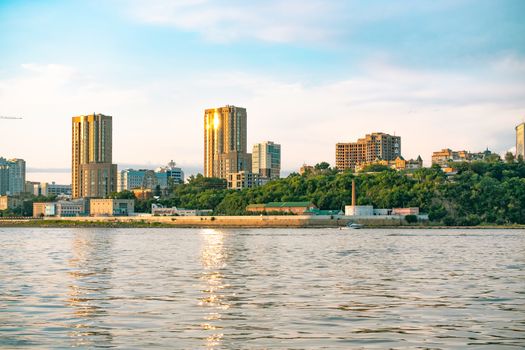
<point x="231" y="222"/>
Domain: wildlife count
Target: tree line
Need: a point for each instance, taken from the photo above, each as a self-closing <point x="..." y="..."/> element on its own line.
<point x="490" y="192"/>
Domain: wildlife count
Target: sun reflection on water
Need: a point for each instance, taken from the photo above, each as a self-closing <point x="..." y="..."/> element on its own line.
<point x="213" y="259"/>
<point x="90" y="273"/>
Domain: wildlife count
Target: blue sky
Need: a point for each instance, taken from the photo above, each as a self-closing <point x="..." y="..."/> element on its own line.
<point x="311" y="73"/>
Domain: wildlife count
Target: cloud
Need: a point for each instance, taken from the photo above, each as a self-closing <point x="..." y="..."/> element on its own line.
<point x="298" y="21"/>
<point x="225" y="21"/>
<point x="155" y="121"/>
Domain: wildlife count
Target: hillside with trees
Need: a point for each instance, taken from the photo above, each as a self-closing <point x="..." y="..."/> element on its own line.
<point x="481" y="192"/>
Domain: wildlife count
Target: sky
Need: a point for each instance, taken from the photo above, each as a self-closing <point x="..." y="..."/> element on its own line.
<point x="311" y="73"/>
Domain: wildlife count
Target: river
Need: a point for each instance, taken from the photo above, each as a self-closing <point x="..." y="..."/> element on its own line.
<point x="261" y="288"/>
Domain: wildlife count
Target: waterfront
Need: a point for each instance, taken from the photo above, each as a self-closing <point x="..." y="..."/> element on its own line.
<point x="261" y="288"/>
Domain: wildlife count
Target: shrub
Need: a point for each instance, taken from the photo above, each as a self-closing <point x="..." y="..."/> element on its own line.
<point x="411" y="219"/>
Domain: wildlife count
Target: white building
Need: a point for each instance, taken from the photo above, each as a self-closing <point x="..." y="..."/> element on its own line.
<point x="157" y="209"/>
<point x="359" y="210"/>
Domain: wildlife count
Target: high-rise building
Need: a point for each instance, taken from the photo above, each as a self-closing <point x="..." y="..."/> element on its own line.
<point x="375" y="146"/>
<point x="12" y="176"/>
<point x="225" y="142"/>
<point x="93" y="174"/>
<point x="266" y="160"/>
<point x="520" y="140"/>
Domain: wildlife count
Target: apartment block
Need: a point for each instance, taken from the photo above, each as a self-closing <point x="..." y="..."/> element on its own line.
<point x="266" y="160"/>
<point x="225" y="134"/>
<point x="242" y="179"/>
<point x="93" y="174"/>
<point x="375" y="146"/>
<point x="12" y="176"/>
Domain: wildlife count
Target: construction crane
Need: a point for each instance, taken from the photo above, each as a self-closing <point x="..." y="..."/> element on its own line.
<point x="1" y="117"/>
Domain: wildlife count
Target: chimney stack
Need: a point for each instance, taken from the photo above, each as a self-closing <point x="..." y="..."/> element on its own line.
<point x="353" y="194"/>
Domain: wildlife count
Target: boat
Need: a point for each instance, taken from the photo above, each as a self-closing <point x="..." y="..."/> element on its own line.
<point x="352" y="226"/>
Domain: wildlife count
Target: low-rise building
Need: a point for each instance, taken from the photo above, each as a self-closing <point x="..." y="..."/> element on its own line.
<point x="327" y="212"/>
<point x="77" y="207"/>
<point x="62" y="208"/>
<point x="159" y="210"/>
<point x="359" y="210"/>
<point x="242" y="179"/>
<point x="142" y="193"/>
<point x="305" y="169"/>
<point x="405" y="211"/>
<point x="163" y="177"/>
<point x="41" y="209"/>
<point x="398" y="164"/>
<point x="8" y="202"/>
<point x="173" y="174"/>
<point x="447" y="155"/>
<point x="111" y="207"/>
<point x="369" y="210"/>
<point x="32" y="187"/>
<point x="47" y="189"/>
<point x="53" y="189"/>
<point x="412" y="164"/>
<point x="296" y="208"/>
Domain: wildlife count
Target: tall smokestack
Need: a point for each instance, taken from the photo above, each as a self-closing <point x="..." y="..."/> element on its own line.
<point x="353" y="194"/>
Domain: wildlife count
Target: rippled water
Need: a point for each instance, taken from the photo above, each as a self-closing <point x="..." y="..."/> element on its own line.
<point x="258" y="289"/>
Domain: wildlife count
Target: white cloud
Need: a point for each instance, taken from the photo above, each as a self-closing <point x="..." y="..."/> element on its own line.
<point x="224" y="21"/>
<point x="162" y="120"/>
<point x="281" y="21"/>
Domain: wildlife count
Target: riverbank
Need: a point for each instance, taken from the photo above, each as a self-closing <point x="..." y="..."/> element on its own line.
<point x="233" y="222"/>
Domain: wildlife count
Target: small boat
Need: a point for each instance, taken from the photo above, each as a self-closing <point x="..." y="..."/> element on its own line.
<point x="353" y="226"/>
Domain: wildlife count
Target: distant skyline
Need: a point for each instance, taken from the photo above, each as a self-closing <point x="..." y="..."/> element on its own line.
<point x="310" y="73"/>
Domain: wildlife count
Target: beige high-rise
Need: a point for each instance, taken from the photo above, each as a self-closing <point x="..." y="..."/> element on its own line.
<point x="225" y="142"/>
<point x="93" y="174"/>
<point x="520" y="140"/>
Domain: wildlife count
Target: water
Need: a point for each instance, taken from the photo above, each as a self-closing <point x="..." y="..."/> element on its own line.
<point x="260" y="289"/>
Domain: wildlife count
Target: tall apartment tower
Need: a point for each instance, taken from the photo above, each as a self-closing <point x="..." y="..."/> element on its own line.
<point x="12" y="176"/>
<point x="520" y="140"/>
<point x="266" y="160"/>
<point x="225" y="142"/>
<point x="375" y="146"/>
<point x="93" y="174"/>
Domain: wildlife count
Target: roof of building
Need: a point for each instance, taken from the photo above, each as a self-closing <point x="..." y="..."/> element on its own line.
<point x="282" y="205"/>
<point x="316" y="211"/>
<point x="288" y="204"/>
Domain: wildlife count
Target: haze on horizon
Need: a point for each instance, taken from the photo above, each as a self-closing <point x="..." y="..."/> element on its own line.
<point x="310" y="73"/>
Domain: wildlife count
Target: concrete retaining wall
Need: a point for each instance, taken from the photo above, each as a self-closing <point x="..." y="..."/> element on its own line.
<point x="244" y="221"/>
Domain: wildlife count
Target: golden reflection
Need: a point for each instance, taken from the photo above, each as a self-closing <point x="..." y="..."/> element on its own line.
<point x="216" y="121"/>
<point x="213" y="260"/>
<point x="89" y="281"/>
